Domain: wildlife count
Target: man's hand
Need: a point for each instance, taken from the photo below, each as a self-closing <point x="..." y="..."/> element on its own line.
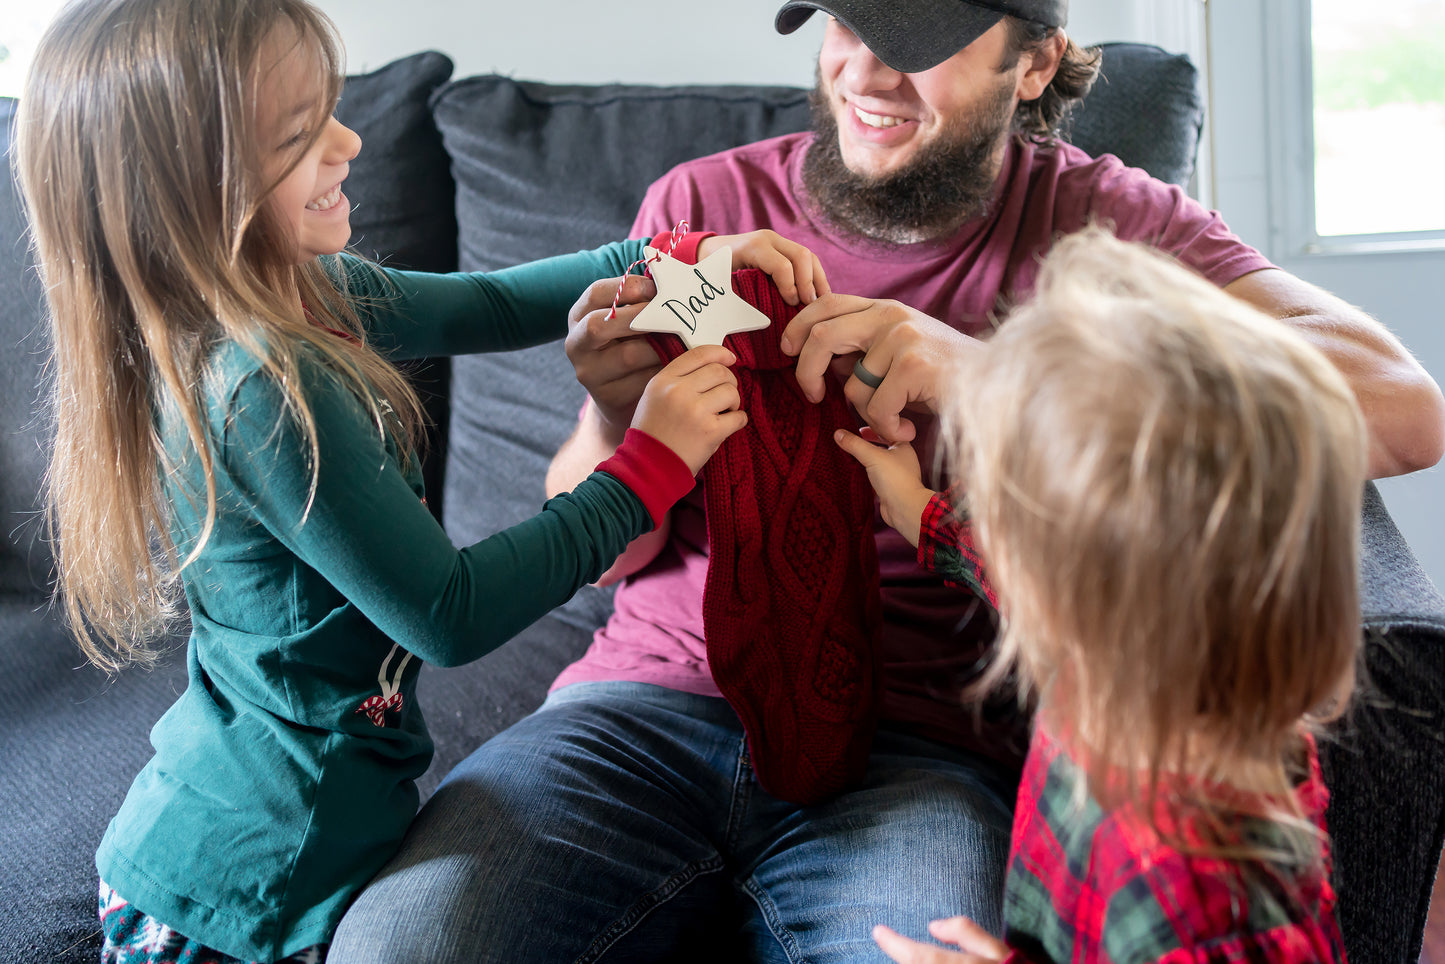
<point x="912" y="354"/>
<point x="612" y="362"/>
<point x="895" y="475"/>
<point x="796" y="271"/>
<point x="976" y="945"/>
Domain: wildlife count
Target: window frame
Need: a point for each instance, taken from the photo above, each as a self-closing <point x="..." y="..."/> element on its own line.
<point x="1290" y="95"/>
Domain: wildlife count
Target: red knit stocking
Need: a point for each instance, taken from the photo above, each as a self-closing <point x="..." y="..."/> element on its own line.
<point x="791" y="607"/>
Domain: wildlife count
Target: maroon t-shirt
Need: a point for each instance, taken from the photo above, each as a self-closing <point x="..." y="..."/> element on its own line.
<point x="934" y="635"/>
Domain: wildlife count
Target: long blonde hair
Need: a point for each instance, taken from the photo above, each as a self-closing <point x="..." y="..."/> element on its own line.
<point x="138" y="157"/>
<point x="1166" y="484"/>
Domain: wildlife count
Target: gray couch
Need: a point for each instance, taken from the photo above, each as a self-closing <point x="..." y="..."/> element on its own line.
<point x="484" y="172"/>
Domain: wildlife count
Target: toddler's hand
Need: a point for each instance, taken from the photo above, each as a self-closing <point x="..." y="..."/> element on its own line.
<point x="976" y="945"/>
<point x="692" y="405"/>
<point x="895" y="475"/>
<point x="794" y="269"/>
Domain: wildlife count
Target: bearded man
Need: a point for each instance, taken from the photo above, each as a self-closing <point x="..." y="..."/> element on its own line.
<point x="624" y="819"/>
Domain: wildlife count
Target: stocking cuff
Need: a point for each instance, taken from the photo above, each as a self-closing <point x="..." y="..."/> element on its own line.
<point x="686" y="248"/>
<point x="654" y="472"/>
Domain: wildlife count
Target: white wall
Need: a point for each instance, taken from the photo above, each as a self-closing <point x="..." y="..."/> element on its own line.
<point x="583" y="41"/>
<point x="684" y="41"/>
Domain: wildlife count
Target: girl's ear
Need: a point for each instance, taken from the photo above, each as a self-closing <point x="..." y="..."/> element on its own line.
<point x="1043" y="63"/>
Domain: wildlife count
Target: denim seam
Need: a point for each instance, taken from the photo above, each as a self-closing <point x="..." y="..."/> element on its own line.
<point x="646" y="905"/>
<point x="741" y="797"/>
<point x="774" y="920"/>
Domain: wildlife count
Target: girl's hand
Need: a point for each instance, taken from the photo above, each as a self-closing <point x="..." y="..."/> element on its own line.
<point x="976" y="945"/>
<point x="794" y="269"/>
<point x="895" y="475"/>
<point x="692" y="405"/>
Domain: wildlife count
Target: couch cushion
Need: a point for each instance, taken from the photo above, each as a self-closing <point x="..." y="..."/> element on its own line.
<point x="543" y="170"/>
<point x="1145" y="108"/>
<point x="1385" y="760"/>
<point x="25" y="558"/>
<point x="403" y="205"/>
<point x="73" y="742"/>
<point x="402" y="201"/>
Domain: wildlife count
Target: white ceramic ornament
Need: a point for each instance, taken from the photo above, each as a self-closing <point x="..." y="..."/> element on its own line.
<point x="697" y="302"/>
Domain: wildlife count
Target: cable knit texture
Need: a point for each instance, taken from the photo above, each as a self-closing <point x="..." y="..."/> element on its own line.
<point x="791" y="606"/>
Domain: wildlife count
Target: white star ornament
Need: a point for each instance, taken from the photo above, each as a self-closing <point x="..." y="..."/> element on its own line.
<point x="697" y="302"/>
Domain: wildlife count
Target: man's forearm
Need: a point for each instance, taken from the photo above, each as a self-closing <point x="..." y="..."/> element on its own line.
<point x="591" y="442"/>
<point x="1403" y="407"/>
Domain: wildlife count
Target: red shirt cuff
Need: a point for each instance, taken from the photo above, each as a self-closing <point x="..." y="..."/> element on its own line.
<point x="938" y="527"/>
<point x="654" y="472"/>
<point x="686" y="249"/>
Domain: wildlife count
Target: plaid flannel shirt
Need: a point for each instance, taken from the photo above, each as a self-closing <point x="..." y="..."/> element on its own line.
<point x="945" y="547"/>
<point x="1085" y="885"/>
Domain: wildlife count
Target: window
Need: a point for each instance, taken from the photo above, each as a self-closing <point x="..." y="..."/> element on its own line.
<point x="1379" y="117"/>
<point x="21" y="25"/>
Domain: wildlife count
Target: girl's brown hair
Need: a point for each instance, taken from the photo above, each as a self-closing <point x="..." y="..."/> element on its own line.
<point x="139" y="160"/>
<point x="1166" y="484"/>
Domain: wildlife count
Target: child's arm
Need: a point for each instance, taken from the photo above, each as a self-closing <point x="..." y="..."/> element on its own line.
<point x="366" y="533"/>
<point x="927" y="519"/>
<point x="413" y="314"/>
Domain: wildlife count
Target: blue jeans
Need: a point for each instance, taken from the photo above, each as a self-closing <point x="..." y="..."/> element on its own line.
<point x="622" y="822"/>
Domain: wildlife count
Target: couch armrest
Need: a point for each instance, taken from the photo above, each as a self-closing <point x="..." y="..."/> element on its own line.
<point x="1386" y="767"/>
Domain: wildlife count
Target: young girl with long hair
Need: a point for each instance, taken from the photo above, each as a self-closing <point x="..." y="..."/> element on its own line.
<point x="229" y="426"/>
<point x="1163" y="500"/>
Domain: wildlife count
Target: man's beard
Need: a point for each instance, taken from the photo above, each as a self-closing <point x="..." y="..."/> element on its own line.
<point x="949" y="182"/>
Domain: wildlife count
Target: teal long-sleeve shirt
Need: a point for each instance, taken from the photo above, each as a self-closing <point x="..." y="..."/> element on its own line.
<point x="283" y="776"/>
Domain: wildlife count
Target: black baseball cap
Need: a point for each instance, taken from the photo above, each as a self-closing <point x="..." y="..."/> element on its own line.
<point x="914" y="35"/>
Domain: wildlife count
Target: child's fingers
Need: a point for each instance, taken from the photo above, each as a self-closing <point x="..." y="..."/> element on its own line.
<point x="783" y="269"/>
<point x="809" y="278"/>
<point x="820" y="279"/>
<point x="907" y="951"/>
<point x="896" y="946"/>
<point x="969" y="937"/>
<point x="700" y="357"/>
<point x="721" y="398"/>
<point x="867" y="454"/>
<point x="795" y="270"/>
<point x="803" y="266"/>
<point x="709" y="377"/>
<point x="730" y="422"/>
